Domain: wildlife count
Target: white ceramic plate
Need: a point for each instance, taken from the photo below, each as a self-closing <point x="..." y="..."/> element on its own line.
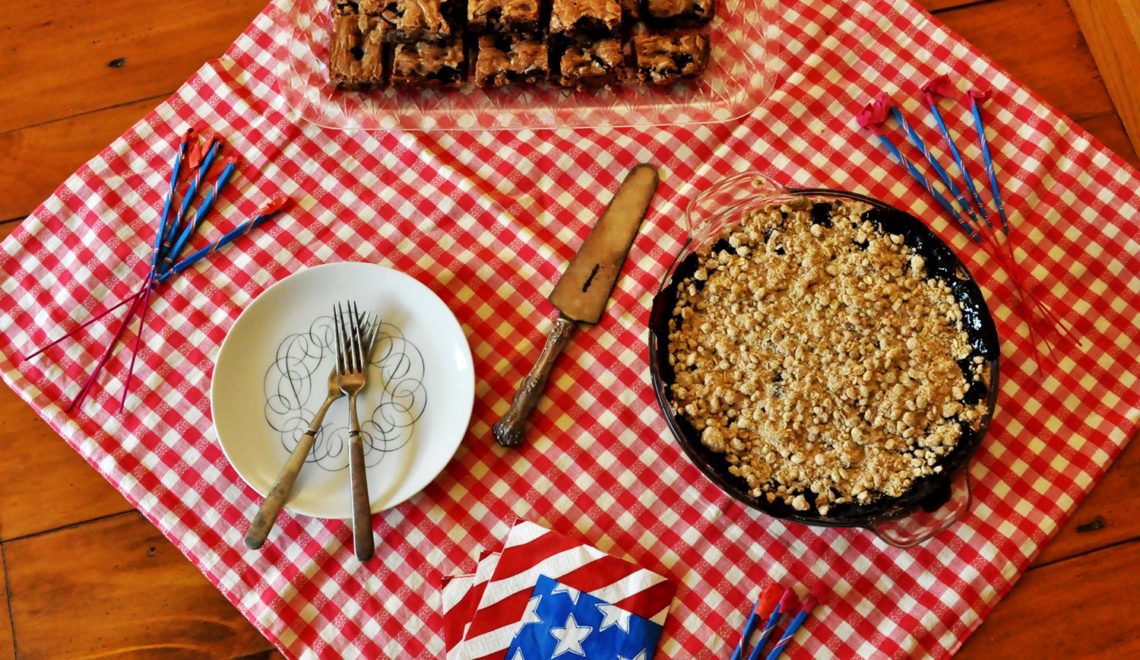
<point x="271" y="375"/>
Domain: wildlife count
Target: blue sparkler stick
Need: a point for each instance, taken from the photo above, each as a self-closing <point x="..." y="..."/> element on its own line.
<point x="149" y="282"/>
<point x="763" y="608"/>
<point x="748" y="628"/>
<point x="199" y="215"/>
<point x="793" y="627"/>
<point x="958" y="160"/>
<point x="182" y="149"/>
<point x="939" y="197"/>
<point x="270" y="210"/>
<point x="976" y="111"/>
<point x="947" y="181"/>
<point x="191" y="191"/>
<point x="784" y="605"/>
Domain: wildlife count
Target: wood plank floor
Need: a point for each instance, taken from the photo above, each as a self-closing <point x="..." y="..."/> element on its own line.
<point x="75" y="58"/>
<point x="84" y="574"/>
<point x="1048" y="616"/>
<point x="7" y="640"/>
<point x="125" y="588"/>
<point x="71" y="141"/>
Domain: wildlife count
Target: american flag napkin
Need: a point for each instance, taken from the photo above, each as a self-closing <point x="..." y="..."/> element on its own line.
<point x="546" y="595"/>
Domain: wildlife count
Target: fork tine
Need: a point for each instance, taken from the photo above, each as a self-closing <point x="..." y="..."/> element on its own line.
<point x="365" y="347"/>
<point x="336" y="337"/>
<point x="368" y="338"/>
<point x="357" y="337"/>
<point x="350" y="332"/>
<point x="372" y="337"/>
<point x="341" y="341"/>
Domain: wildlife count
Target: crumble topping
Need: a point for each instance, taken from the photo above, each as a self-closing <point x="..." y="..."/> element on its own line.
<point x="820" y="358"/>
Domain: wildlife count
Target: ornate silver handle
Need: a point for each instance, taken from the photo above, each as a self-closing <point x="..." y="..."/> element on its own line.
<point x="510" y="429"/>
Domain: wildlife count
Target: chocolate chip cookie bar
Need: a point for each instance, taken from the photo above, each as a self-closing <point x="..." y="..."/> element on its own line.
<point x="679" y="13"/>
<point x="427" y="20"/>
<point x="591" y="65"/>
<point x="427" y="64"/>
<point x="582" y="20"/>
<point x="662" y="59"/>
<point x="522" y="17"/>
<point x="356" y="53"/>
<point x="504" y="59"/>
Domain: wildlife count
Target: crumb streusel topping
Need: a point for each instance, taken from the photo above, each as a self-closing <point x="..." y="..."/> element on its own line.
<point x="821" y="359"/>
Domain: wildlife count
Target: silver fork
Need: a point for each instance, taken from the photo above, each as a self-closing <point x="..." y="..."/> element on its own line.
<point x="267" y="515"/>
<point x="354" y="341"/>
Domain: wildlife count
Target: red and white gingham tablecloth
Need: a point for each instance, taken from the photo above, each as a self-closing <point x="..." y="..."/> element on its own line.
<point x="487" y="220"/>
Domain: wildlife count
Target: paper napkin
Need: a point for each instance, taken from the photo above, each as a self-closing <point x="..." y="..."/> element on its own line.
<point x="546" y="595"/>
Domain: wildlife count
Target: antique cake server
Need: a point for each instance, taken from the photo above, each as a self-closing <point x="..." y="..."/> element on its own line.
<point x="581" y="294"/>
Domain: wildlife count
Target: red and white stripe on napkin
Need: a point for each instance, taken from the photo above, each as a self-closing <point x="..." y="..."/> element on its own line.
<point x="482" y="611"/>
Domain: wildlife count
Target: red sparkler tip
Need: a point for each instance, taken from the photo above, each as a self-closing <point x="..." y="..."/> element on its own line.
<point x="938" y="87"/>
<point x="196" y="154"/>
<point x="786" y="600"/>
<point x="874" y="114"/>
<point x="768" y="599"/>
<point x="979" y="95"/>
<point x="232" y="160"/>
<point x="274" y="204"/>
<point x="189" y="135"/>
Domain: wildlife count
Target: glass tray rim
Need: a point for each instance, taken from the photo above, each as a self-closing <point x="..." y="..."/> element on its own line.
<point x="302" y="80"/>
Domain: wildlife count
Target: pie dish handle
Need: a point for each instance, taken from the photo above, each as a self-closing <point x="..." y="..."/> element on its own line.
<point x="721" y="203"/>
<point x="921" y="525"/>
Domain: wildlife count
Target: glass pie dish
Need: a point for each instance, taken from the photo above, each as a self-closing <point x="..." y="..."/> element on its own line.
<point x="739" y="78"/>
<point x="933" y="502"/>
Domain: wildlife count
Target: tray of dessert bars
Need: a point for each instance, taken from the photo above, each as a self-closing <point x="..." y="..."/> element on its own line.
<point x="465" y="64"/>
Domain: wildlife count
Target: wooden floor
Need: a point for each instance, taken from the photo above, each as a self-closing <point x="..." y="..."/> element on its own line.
<point x="86" y="575"/>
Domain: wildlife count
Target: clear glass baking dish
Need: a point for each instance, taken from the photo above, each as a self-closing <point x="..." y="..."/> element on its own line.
<point x="933" y="503"/>
<point x="740" y="77"/>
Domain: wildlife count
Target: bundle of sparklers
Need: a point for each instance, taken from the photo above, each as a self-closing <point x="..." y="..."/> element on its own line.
<point x="177" y="224"/>
<point x="970" y="213"/>
<point x="774" y="603"/>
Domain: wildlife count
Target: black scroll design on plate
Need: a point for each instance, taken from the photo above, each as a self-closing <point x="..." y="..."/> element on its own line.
<point x="296" y="384"/>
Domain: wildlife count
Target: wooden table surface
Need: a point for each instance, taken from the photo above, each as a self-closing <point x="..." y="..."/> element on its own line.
<point x="85" y="574"/>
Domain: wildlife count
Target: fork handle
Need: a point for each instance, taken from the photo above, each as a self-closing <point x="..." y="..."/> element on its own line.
<point x="361" y="502"/>
<point x="267" y="514"/>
